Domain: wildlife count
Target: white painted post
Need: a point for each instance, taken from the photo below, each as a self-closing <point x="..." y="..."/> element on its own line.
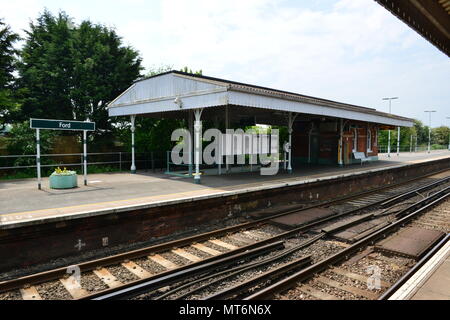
<point x="198" y="131"/>
<point x="290" y="121"/>
<point x="341" y="133"/>
<point x="389" y="144"/>
<point x="85" y="157"/>
<point x="227" y="124"/>
<point x="38" y="158"/>
<point x="398" y="141"/>
<point x="133" y="164"/>
<point x="191" y="135"/>
<point x="410" y="145"/>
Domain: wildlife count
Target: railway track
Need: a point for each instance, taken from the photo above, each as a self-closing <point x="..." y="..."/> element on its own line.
<point x="345" y="274"/>
<point x="161" y="266"/>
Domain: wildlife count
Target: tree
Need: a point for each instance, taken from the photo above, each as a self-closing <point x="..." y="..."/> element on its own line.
<point x="73" y="72"/>
<point x="46" y="67"/>
<point x="8" y="54"/>
<point x="103" y="69"/>
<point x="440" y="135"/>
<point x="151" y="134"/>
<point x="188" y="70"/>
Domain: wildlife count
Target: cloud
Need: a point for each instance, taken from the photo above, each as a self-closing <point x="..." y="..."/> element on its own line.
<point x="350" y="50"/>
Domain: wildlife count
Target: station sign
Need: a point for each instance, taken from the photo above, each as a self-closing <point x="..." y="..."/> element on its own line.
<point x="61" y="124"/>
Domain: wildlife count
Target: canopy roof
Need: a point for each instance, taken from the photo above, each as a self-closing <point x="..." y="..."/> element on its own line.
<point x="170" y="94"/>
<point x="429" y="18"/>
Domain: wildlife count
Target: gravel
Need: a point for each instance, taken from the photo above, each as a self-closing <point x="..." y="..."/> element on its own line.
<point x="197" y="252"/>
<point x="214" y="246"/>
<point x="91" y="283"/>
<point x="122" y="274"/>
<point x="12" y="295"/>
<point x="338" y="293"/>
<point x="53" y="290"/>
<point x="149" y="265"/>
<point x="232" y="241"/>
<point x="180" y="261"/>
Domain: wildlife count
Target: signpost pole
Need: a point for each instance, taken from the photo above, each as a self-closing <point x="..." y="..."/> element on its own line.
<point x="38" y="158"/>
<point x="85" y="157"/>
<point x="54" y="124"/>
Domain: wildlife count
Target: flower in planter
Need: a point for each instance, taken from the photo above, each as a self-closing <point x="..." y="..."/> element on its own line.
<point x="63" y="179"/>
<point x="63" y="172"/>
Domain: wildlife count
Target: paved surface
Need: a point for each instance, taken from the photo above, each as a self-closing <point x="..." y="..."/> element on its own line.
<point x="431" y="281"/>
<point x="437" y="286"/>
<point x="21" y="200"/>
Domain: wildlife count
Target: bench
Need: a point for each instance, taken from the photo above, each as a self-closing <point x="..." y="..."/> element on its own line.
<point x="361" y="156"/>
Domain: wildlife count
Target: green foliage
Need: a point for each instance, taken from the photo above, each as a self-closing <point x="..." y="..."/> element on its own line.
<point x="439" y="136"/>
<point x="23" y="142"/>
<point x="103" y="69"/>
<point x="158" y="70"/>
<point x="151" y="134"/>
<point x="8" y="55"/>
<point x="188" y="70"/>
<point x="72" y="72"/>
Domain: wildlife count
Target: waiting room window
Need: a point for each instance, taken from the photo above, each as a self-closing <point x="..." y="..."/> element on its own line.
<point x="355" y="140"/>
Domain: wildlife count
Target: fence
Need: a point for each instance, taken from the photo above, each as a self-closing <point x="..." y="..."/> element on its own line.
<point x="103" y="161"/>
<point x="409" y="148"/>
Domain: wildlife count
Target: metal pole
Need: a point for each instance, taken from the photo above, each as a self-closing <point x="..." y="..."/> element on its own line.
<point x="448" y="137"/>
<point x="227" y="124"/>
<point x="429" y="129"/>
<point x="410" y="145"/>
<point x="389" y="143"/>
<point x="197" y="130"/>
<point x="415" y="148"/>
<point x="398" y="141"/>
<point x="389" y="135"/>
<point x="341" y="132"/>
<point x="191" y="135"/>
<point x="120" y="161"/>
<point x="85" y="157"/>
<point x="389" y="131"/>
<point x="133" y="164"/>
<point x="38" y="158"/>
<point x="290" y="120"/>
<point x="429" y="135"/>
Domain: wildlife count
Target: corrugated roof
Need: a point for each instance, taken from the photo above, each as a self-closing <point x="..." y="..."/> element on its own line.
<point x="260" y="90"/>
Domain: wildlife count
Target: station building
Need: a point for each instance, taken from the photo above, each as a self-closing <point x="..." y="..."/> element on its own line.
<point x="320" y="131"/>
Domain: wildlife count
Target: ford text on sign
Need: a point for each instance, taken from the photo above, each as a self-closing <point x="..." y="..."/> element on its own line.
<point x="61" y="124"/>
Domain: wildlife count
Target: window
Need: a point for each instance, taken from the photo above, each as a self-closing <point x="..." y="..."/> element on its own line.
<point x="355" y="140"/>
<point x="369" y="140"/>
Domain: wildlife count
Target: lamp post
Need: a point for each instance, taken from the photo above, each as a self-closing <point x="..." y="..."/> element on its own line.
<point x="389" y="131"/>
<point x="429" y="129"/>
<point x="448" y="136"/>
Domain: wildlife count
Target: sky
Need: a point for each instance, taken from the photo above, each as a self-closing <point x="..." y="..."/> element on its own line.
<point x="351" y="51"/>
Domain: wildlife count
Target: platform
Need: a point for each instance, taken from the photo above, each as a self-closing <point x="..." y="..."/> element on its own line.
<point x="23" y="204"/>
<point x="431" y="281"/>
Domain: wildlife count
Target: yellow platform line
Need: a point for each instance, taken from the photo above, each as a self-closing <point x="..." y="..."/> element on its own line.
<point x="181" y="194"/>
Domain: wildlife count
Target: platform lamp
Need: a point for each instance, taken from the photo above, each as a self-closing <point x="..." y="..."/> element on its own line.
<point x="429" y="129"/>
<point x="389" y="131"/>
<point x="448" y="136"/>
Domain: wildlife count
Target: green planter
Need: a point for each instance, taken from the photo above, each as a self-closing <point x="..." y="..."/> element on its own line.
<point x="63" y="181"/>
